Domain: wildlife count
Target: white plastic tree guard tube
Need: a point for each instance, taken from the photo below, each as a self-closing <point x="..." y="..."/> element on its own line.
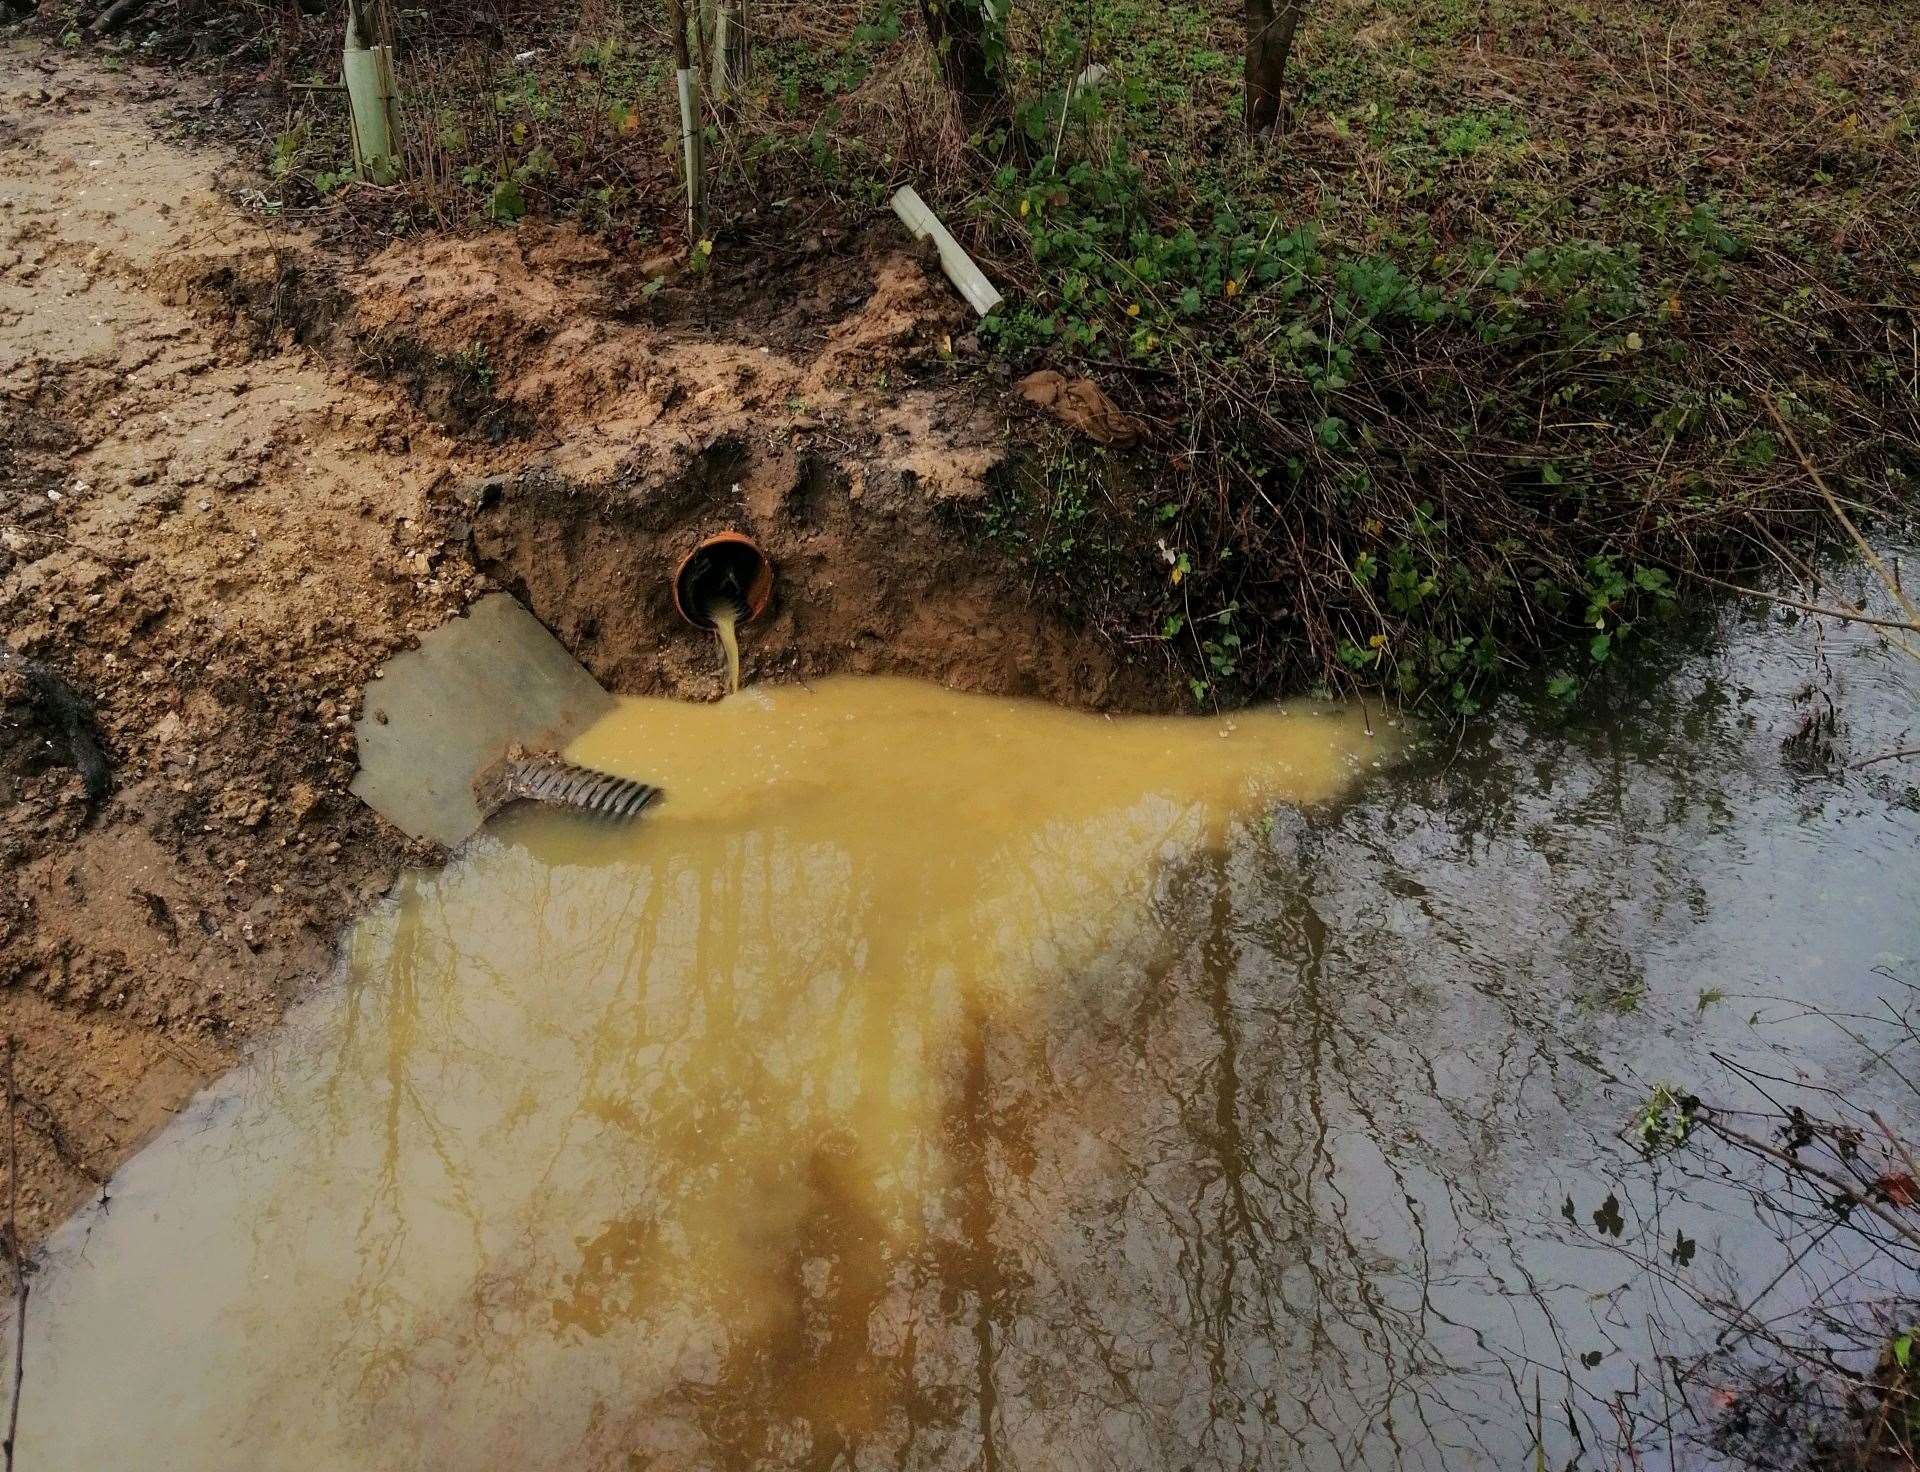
<point x="958" y="265"/>
<point x="372" y="100"/>
<point x="693" y="152"/>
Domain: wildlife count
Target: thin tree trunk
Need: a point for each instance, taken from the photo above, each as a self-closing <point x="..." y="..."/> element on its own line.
<point x="677" y="23"/>
<point x="704" y="23"/>
<point x="730" y="49"/>
<point x="722" y="59"/>
<point x="958" y="31"/>
<point x="1270" y="28"/>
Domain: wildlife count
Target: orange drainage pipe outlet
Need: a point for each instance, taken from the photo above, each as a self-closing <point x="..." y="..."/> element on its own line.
<point x="730" y="564"/>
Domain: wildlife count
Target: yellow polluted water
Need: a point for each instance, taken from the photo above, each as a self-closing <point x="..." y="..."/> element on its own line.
<point x="666" y="1145"/>
<point x="725" y="615"/>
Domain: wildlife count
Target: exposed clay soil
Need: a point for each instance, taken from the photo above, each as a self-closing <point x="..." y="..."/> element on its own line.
<point x="236" y="473"/>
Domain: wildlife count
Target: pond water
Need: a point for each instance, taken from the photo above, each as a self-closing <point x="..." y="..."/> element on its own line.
<point x="933" y="1081"/>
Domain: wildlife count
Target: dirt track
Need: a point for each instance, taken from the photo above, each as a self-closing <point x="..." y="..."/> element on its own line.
<point x="230" y="486"/>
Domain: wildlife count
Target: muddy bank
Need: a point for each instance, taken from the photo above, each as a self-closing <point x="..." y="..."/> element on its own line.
<point x="839" y="431"/>
<point x="868" y="584"/>
<point x="212" y="544"/>
<point x="235" y="476"/>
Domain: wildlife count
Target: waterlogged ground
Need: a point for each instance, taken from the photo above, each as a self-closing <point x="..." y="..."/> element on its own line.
<point x="938" y="1082"/>
<point x="680" y="1140"/>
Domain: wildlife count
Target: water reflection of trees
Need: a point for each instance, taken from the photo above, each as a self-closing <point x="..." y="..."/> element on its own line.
<point x="1370" y="1083"/>
<point x="1269" y="1173"/>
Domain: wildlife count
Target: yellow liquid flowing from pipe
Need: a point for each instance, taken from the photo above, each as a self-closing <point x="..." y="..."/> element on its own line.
<point x="726" y="620"/>
<point x="694" y="1142"/>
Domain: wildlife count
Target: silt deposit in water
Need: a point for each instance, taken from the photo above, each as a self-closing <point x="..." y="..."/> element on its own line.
<point x="707" y="1141"/>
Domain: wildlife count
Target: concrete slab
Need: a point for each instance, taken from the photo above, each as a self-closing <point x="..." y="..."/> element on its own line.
<point x="438" y="716"/>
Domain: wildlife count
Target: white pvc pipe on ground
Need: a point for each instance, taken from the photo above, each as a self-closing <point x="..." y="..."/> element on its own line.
<point x="958" y="265"/>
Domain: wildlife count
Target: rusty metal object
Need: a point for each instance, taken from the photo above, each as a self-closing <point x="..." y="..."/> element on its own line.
<point x="551" y="780"/>
<point x="730" y="565"/>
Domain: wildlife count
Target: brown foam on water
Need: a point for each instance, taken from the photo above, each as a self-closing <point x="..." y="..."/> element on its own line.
<point x="662" y="1145"/>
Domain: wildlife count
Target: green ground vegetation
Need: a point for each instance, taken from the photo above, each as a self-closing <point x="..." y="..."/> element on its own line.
<point x="1528" y="314"/>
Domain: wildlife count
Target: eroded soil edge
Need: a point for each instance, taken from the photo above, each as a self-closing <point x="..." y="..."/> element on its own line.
<point x="235" y="475"/>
